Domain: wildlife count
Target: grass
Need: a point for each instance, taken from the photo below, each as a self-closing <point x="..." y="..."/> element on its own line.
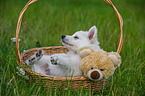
<point x="45" y="21"/>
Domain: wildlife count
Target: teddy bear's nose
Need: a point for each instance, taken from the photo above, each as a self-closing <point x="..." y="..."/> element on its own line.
<point x="95" y="75"/>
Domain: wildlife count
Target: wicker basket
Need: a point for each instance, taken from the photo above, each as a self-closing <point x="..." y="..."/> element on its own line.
<point x="58" y="82"/>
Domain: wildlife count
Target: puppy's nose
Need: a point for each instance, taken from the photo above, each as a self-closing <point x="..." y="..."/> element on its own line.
<point x="63" y="36"/>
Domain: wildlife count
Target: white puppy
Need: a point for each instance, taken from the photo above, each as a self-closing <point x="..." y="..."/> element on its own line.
<point x="65" y="64"/>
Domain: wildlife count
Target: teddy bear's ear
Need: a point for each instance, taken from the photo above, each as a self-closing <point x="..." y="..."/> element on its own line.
<point x="116" y="58"/>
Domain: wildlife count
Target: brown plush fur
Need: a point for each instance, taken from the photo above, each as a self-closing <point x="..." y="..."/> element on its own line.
<point x="100" y="60"/>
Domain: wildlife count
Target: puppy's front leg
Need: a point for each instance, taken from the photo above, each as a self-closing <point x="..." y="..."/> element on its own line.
<point x="34" y="58"/>
<point x="58" y="59"/>
<point x="63" y="59"/>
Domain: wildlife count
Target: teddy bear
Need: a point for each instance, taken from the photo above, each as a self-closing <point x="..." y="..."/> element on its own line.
<point x="99" y="65"/>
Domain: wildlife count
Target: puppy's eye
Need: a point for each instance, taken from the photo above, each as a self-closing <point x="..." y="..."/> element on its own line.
<point x="76" y="37"/>
<point x="101" y="69"/>
<point x="92" y="68"/>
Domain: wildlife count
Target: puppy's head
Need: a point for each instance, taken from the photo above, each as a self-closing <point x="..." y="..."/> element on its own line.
<point x="81" y="39"/>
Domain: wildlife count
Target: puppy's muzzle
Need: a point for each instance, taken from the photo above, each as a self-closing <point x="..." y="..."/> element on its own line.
<point x="65" y="40"/>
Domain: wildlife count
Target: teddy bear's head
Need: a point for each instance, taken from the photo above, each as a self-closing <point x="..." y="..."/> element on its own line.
<point x="100" y="65"/>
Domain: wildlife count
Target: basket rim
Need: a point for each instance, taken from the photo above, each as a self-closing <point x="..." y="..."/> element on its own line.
<point x="120" y="20"/>
<point x="43" y="48"/>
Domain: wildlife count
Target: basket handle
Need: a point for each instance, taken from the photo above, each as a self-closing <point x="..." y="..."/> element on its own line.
<point x="120" y="20"/>
<point x="18" y="29"/>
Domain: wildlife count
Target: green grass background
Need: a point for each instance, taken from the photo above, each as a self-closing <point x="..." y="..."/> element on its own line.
<point x="46" y="20"/>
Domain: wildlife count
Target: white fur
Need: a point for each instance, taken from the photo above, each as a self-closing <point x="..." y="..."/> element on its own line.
<point x="83" y="40"/>
<point x="114" y="59"/>
<point x="68" y="64"/>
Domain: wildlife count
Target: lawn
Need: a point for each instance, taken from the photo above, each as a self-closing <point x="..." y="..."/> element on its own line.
<point x="46" y="20"/>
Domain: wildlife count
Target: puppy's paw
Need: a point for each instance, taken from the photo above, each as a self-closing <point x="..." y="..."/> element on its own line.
<point x="31" y="60"/>
<point x="55" y="60"/>
<point x="39" y="53"/>
<point x="36" y="57"/>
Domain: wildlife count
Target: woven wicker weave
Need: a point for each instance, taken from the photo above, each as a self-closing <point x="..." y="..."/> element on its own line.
<point x="53" y="81"/>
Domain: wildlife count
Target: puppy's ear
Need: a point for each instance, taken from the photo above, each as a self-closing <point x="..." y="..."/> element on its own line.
<point x="92" y="34"/>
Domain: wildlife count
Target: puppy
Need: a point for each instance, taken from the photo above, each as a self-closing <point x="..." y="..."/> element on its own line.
<point x="65" y="64"/>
